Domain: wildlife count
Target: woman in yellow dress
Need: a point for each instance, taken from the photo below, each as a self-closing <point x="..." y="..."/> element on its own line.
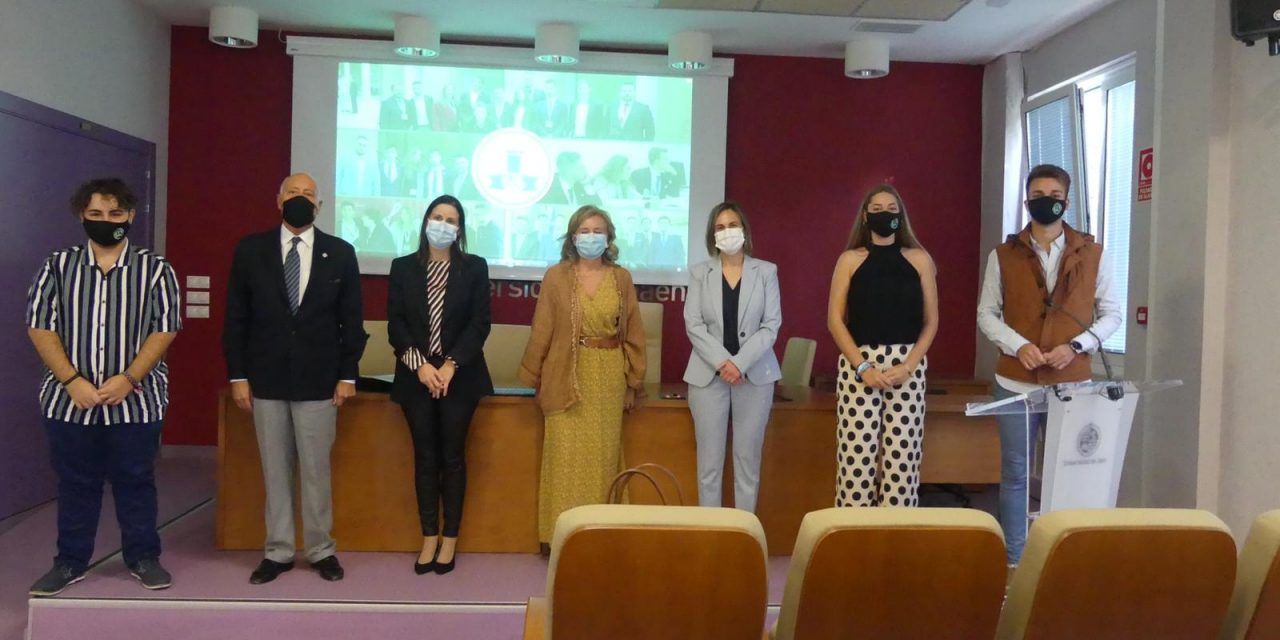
<point x="585" y="357"/>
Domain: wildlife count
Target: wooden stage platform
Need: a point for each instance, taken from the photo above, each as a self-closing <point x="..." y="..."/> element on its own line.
<point x="373" y="493"/>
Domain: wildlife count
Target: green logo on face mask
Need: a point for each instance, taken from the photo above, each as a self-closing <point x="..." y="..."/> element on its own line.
<point x="894" y="224"/>
<point x="119" y="233"/>
<point x="1057" y="208"/>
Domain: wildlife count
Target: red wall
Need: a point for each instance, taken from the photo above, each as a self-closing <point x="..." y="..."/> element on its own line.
<point x="804" y="144"/>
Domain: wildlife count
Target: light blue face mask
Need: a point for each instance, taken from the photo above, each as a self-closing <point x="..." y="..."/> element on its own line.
<point x="591" y="245"/>
<point x="441" y="234"/>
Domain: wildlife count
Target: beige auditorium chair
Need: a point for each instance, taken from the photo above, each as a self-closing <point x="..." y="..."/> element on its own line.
<point x="797" y="362"/>
<point x="630" y="572"/>
<point x="379" y="359"/>
<point x="651" y="316"/>
<point x="1254" y="613"/>
<point x="894" y="572"/>
<point x="1122" y="574"/>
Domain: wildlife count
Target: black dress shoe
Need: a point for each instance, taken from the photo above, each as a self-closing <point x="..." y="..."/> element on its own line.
<point x="268" y="570"/>
<point x="329" y="568"/>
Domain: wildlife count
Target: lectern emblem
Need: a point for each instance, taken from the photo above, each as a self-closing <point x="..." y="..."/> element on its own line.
<point x="1088" y="441"/>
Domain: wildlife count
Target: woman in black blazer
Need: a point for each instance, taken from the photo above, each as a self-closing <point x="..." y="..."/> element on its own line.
<point x="437" y="321"/>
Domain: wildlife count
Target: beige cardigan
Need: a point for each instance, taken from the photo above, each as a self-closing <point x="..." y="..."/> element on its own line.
<point x="550" y="358"/>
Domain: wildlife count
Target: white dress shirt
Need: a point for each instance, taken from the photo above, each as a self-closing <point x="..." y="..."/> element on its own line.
<point x="580" y="114"/>
<point x="420" y="108"/>
<point x="1108" y="314"/>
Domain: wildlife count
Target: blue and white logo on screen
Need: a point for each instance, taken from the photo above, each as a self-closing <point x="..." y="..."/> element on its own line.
<point x="1089" y="440"/>
<point x="512" y="168"/>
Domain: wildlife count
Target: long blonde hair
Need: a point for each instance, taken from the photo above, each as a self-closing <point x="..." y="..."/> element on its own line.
<point x="569" y="251"/>
<point x="860" y="235"/>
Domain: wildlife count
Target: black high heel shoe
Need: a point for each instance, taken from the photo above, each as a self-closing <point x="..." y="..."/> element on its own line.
<point x="445" y="567"/>
<point x="423" y="569"/>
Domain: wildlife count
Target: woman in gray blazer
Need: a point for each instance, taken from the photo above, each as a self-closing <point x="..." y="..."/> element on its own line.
<point x="732" y="314"/>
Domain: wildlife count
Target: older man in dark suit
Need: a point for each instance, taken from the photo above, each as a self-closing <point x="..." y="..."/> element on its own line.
<point x="293" y="337"/>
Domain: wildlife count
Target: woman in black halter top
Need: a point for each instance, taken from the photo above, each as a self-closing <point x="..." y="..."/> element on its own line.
<point x="883" y="315"/>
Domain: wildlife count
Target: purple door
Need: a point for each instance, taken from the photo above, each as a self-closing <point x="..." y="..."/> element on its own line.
<point x="44" y="155"/>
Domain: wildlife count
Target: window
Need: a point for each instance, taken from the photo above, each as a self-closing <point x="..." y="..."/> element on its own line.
<point x="1087" y="129"/>
<point x="1052" y="139"/>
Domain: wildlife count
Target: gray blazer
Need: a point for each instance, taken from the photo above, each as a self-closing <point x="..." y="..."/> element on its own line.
<point x="759" y="318"/>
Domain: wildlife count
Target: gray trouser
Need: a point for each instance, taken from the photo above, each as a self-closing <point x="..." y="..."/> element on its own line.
<point x="711" y="405"/>
<point x="303" y="431"/>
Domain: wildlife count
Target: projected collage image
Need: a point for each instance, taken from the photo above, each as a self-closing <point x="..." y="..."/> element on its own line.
<point x="522" y="150"/>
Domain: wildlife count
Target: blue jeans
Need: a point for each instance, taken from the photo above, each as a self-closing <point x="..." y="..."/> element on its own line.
<point x="86" y="456"/>
<point x="1013" y="474"/>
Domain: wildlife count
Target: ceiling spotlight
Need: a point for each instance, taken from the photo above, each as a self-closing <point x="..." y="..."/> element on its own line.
<point x="235" y="27"/>
<point x="556" y="43"/>
<point x="689" y="50"/>
<point x="866" y="58"/>
<point x="416" y="37"/>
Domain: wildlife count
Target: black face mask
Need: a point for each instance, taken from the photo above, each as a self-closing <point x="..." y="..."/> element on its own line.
<point x="884" y="223"/>
<point x="106" y="233"/>
<point x="1046" y="209"/>
<point x="299" y="212"/>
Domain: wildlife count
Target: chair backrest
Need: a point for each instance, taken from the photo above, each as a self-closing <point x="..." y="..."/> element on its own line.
<point x="797" y="362"/>
<point x="866" y="572"/>
<point x="630" y="572"/>
<point x="1254" y="613"/>
<point x="503" y="351"/>
<point x="651" y="316"/>
<point x="1122" y="573"/>
<point x="379" y="359"/>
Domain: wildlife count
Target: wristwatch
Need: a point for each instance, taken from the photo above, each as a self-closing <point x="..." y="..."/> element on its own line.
<point x="1076" y="346"/>
<point x="857" y="374"/>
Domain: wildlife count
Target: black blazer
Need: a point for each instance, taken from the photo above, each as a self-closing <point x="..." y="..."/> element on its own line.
<point x="464" y="327"/>
<point x="286" y="356"/>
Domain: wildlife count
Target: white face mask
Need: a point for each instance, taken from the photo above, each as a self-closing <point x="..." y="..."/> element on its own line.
<point x="730" y="240"/>
<point x="441" y="234"/>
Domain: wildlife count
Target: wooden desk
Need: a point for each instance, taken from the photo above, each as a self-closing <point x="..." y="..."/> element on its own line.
<point x="375" y="508"/>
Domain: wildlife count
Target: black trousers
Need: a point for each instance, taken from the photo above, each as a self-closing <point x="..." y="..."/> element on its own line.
<point x="439" y="431"/>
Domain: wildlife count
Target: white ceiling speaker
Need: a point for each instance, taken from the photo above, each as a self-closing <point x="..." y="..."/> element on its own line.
<point x="866" y="58"/>
<point x="235" y="27"/>
<point x="689" y="50"/>
<point x="556" y="43"/>
<point x="416" y="37"/>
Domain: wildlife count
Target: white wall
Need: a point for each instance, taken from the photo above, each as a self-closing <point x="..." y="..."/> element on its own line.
<point x="1250" y="416"/>
<point x="1002" y="171"/>
<point x="1188" y="114"/>
<point x="105" y="61"/>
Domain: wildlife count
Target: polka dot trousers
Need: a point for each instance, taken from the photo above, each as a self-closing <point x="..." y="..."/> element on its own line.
<point x="879" y="434"/>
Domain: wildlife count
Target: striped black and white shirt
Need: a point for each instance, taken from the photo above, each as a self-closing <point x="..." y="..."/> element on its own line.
<point x="437" y="284"/>
<point x="103" y="321"/>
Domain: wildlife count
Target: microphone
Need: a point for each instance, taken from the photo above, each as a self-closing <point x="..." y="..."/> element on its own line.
<point x="1114" y="391"/>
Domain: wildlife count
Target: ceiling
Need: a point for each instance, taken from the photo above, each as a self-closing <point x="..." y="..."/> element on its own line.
<point x="976" y="31"/>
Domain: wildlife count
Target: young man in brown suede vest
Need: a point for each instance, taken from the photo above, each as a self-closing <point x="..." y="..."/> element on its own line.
<point x="1041" y="290"/>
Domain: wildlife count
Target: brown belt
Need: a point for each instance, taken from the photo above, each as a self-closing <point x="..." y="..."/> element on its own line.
<point x="599" y="343"/>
